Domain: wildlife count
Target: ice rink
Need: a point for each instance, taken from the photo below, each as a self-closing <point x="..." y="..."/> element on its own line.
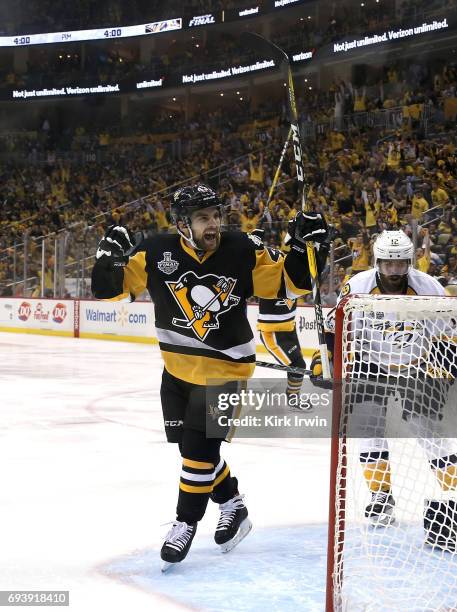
<point x="88" y="483"/>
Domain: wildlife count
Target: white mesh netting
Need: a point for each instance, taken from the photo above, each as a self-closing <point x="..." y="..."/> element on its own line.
<point x="397" y="451"/>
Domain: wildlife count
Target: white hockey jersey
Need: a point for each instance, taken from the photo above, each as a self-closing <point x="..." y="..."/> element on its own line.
<point x="385" y="342"/>
<point x="419" y="283"/>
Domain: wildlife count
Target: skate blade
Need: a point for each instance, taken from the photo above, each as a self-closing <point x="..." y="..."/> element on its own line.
<point x="242" y="532"/>
<point x="382" y="521"/>
<point x="450" y="547"/>
<point x="166" y="567"/>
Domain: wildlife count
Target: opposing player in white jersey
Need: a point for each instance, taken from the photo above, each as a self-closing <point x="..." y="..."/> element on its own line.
<point x="383" y="350"/>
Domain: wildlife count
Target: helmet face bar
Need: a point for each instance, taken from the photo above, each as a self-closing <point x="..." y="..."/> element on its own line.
<point x="393" y="253"/>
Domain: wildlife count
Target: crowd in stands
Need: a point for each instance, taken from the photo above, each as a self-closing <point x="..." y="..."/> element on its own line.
<point x="364" y="180"/>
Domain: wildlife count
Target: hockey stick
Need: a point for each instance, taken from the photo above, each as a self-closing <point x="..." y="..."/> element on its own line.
<point x="278" y="169"/>
<point x="281" y="59"/>
<point x="283" y="368"/>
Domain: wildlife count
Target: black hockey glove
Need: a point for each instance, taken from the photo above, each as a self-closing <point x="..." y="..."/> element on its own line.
<point x="116" y="245"/>
<point x="257" y="237"/>
<point x="316" y="371"/>
<point x="323" y="248"/>
<point x="306" y="227"/>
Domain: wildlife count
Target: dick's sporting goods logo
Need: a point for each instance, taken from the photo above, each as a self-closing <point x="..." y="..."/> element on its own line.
<point x="168" y="265"/>
<point x="202" y="300"/>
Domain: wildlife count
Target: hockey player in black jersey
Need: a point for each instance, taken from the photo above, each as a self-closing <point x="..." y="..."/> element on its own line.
<point x="199" y="281"/>
<point x="276" y="324"/>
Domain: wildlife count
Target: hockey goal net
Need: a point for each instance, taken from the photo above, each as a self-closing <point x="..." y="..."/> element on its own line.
<point x="393" y="509"/>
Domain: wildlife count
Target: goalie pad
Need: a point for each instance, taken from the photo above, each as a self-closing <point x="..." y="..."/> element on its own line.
<point x="440" y="524"/>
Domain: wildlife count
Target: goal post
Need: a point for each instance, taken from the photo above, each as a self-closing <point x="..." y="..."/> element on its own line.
<point x="394" y="433"/>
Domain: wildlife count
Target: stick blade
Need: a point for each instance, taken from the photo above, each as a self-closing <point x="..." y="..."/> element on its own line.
<point x="265" y="47"/>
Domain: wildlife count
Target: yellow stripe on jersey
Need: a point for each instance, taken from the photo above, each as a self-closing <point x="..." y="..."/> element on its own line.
<point x="377" y="291"/>
<point x="118" y="298"/>
<point x="276" y="326"/>
<point x="202" y="370"/>
<point x="269" y="339"/>
<point x="266" y="275"/>
<point x="190" y="251"/>
<point x="135" y="277"/>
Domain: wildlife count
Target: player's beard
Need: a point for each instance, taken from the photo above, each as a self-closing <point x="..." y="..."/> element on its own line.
<point x="393" y="284"/>
<point x="209" y="240"/>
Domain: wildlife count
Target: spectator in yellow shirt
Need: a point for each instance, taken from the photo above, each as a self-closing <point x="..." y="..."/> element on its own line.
<point x="337" y="140"/>
<point x="423" y="254"/>
<point x="419" y="205"/>
<point x="360" y="250"/>
<point x="372" y="209"/>
<point x="392" y="213"/>
<point x="439" y="195"/>
<point x="249" y="221"/>
<point x="256" y="173"/>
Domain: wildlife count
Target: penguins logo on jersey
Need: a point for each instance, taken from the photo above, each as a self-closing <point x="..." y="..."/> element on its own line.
<point x="286" y="302"/>
<point x="202" y="300"/>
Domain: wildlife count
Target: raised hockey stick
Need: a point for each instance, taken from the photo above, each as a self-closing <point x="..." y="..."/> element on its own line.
<point x="281" y="59"/>
<point x="278" y="169"/>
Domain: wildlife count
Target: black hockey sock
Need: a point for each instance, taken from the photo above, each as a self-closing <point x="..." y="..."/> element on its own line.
<point x="200" y="458"/>
<point x="294" y="384"/>
<point x="225" y="485"/>
<point x="195" y="486"/>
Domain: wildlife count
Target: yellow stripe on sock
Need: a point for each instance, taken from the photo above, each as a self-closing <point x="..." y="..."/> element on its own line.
<point x="191" y="489"/>
<point x="198" y="465"/>
<point x="221" y="477"/>
<point x="447" y="478"/>
<point x="377" y="475"/>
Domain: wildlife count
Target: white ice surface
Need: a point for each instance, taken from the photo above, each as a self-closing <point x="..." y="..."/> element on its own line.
<point x="87" y="480"/>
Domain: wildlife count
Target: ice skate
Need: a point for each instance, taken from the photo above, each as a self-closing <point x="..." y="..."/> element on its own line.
<point x="380" y="510"/>
<point x="234" y="524"/>
<point x="177" y="543"/>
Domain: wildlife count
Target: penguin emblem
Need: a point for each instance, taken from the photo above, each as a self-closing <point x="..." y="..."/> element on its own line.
<point x="202" y="300"/>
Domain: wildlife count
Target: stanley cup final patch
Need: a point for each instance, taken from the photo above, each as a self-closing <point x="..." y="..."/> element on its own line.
<point x="167" y="265"/>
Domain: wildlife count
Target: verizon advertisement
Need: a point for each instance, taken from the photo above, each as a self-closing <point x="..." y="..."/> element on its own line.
<point x="390" y="35"/>
<point x="229" y="72"/>
<point x="24" y="314"/>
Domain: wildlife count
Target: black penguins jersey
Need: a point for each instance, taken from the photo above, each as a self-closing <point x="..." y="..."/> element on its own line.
<point x="200" y="302"/>
<point x="276" y="315"/>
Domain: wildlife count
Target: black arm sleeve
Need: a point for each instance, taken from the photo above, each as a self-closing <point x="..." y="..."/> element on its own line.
<point x="297" y="268"/>
<point x="107" y="279"/>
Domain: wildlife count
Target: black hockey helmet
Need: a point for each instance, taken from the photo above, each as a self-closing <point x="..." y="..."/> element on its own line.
<point x="186" y="200"/>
